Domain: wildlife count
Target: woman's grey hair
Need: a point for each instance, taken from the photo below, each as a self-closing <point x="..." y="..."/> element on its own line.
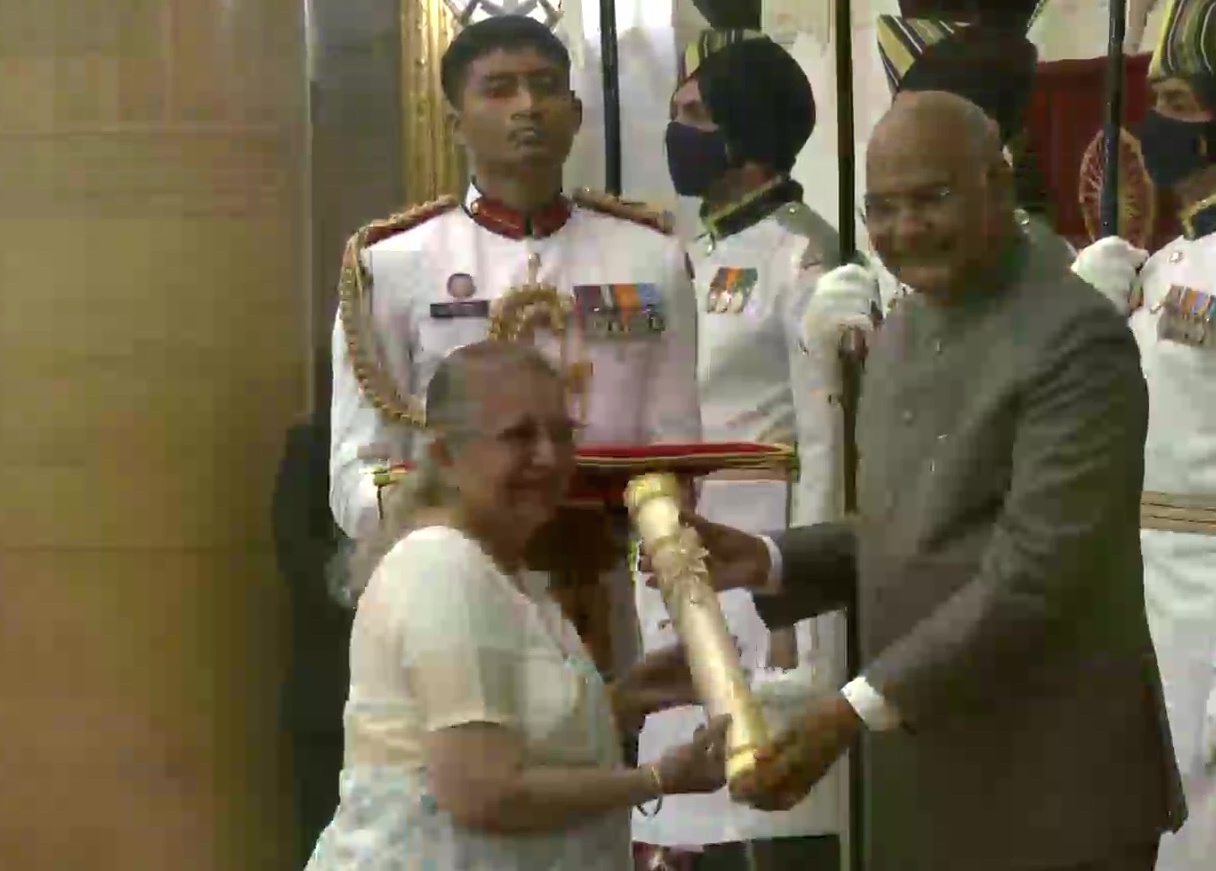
<point x="451" y="412"/>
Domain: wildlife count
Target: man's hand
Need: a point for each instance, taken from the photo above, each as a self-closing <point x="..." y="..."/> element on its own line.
<point x="660" y="680"/>
<point x="736" y="559"/>
<point x="844" y="300"/>
<point x="1111" y="266"/>
<point x="789" y="767"/>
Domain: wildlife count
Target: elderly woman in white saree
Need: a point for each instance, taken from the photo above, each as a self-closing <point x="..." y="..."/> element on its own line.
<point x="479" y="734"/>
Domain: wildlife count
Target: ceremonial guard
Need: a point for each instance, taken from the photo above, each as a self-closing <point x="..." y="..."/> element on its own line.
<point x="420" y="284"/>
<point x="1174" y="320"/>
<point x="741" y="114"/>
<point x="994" y="68"/>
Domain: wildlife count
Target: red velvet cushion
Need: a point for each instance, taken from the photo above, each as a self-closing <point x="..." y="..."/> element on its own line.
<point x="604" y="470"/>
<point x="710" y="456"/>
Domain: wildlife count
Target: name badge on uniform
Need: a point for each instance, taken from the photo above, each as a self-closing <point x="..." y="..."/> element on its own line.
<point x="1188" y="317"/>
<point x="620" y="310"/>
<point x="465" y="308"/>
<point x="730" y="290"/>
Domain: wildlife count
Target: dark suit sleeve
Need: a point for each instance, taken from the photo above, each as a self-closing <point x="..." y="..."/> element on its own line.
<point x="1077" y="473"/>
<point x="818" y="574"/>
<point x="305" y="535"/>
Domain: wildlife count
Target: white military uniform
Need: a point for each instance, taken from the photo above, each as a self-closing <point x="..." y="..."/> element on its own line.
<point x="433" y="283"/>
<point x="757" y="384"/>
<point x="1180" y="483"/>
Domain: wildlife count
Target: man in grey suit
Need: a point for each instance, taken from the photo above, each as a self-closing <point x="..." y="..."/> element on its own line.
<point x="1010" y="698"/>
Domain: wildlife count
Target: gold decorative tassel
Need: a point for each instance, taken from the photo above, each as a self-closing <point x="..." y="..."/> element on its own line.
<point x="355" y="309"/>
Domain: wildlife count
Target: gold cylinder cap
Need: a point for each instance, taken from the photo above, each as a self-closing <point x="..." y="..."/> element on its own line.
<point x="643" y="488"/>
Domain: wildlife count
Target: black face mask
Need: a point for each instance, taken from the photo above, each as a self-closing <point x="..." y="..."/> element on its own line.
<point x="695" y="158"/>
<point x="1175" y="150"/>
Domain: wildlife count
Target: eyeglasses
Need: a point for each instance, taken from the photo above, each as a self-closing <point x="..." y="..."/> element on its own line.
<point x="928" y="204"/>
<point x="526" y="435"/>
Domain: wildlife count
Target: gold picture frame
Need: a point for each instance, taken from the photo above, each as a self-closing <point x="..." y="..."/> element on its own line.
<point x="434" y="164"/>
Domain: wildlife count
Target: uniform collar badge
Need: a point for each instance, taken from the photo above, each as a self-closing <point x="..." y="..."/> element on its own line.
<point x="1200" y="219"/>
<point x="751" y="209"/>
<point x="503" y="220"/>
<point x="730" y="290"/>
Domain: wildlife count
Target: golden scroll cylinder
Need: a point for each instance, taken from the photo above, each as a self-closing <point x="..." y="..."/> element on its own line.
<point x="678" y="562"/>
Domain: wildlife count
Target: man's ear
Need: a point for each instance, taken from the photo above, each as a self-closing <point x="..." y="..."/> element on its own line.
<point x="1001" y="178"/>
<point x="578" y="113"/>
<point x="454" y="125"/>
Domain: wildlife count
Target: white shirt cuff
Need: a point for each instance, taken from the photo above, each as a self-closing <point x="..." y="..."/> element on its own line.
<point x="871" y="707"/>
<point x="772" y="585"/>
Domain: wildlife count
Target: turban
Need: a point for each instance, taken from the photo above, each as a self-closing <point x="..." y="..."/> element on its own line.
<point x="760" y="98"/>
<point x="708" y="42"/>
<point x="1186" y="48"/>
<point x="992" y="67"/>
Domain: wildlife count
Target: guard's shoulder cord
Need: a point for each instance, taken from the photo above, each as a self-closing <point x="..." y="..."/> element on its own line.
<point x="637" y="213"/>
<point x="355" y="310"/>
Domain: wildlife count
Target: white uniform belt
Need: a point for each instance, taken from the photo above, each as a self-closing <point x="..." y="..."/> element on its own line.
<point x="1177" y="513"/>
<point x="757" y="474"/>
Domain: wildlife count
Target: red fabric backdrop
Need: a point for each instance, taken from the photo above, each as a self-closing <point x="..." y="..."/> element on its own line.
<point x="1067" y="111"/>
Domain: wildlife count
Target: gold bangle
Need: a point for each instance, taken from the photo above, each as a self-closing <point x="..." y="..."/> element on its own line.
<point x="652" y="770"/>
<point x="657" y="778"/>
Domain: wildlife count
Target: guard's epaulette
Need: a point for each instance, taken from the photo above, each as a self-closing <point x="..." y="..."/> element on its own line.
<point x="823" y="242"/>
<point x="638" y="213"/>
<point x="355" y="307"/>
<point x="414" y="216"/>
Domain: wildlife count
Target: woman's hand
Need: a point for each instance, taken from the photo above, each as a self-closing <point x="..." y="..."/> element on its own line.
<point x="698" y="766"/>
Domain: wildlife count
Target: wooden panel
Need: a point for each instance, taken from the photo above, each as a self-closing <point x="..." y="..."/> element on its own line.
<point x="153" y="335"/>
<point x="134" y="172"/>
<point x="164" y="361"/>
<point x="237" y="62"/>
<point x="140" y="712"/>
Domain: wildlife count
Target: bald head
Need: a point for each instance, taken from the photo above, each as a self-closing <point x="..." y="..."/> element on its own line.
<point x="938" y="191"/>
<point x="937" y="121"/>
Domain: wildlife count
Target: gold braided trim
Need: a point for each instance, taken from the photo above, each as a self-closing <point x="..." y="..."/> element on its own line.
<point x="1174" y="513"/>
<point x="355" y="308"/>
<point x="521" y="311"/>
<point x="638" y="213"/>
<point x="516" y="315"/>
